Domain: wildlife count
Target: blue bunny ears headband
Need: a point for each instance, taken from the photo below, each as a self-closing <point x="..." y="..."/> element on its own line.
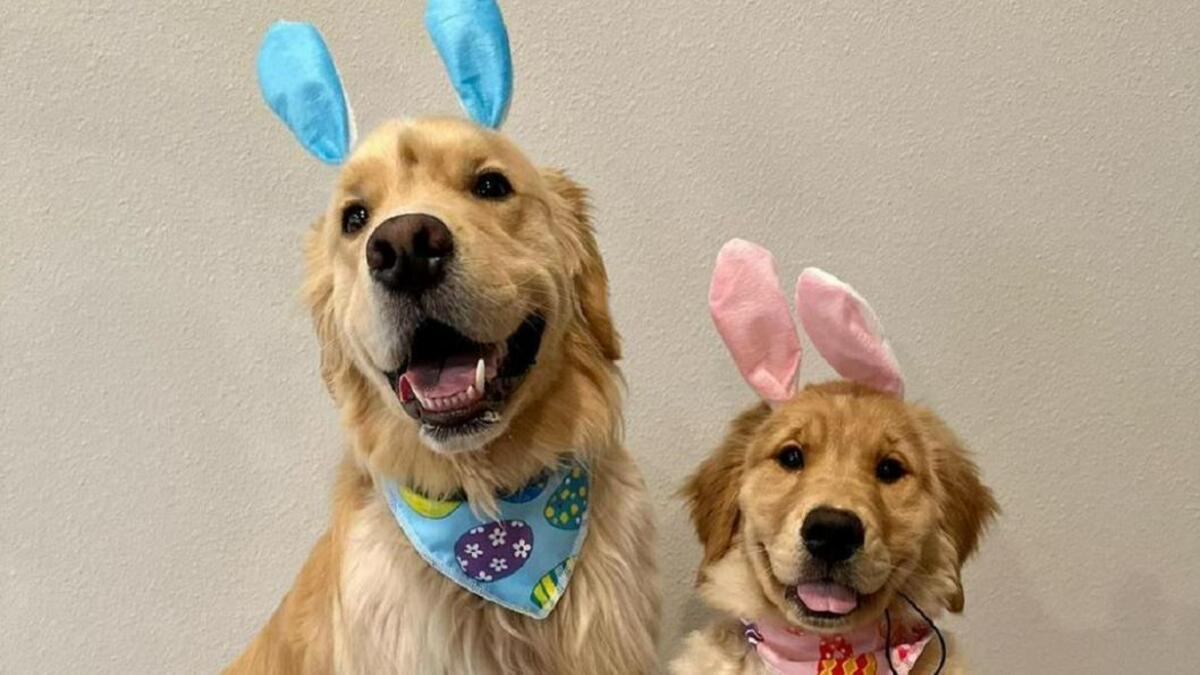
<point x="300" y="82"/>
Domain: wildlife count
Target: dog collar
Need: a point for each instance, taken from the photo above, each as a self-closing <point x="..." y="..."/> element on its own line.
<point x="522" y="559"/>
<point x="787" y="650"/>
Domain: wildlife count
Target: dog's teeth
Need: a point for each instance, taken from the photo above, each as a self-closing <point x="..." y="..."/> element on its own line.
<point x="480" y="371"/>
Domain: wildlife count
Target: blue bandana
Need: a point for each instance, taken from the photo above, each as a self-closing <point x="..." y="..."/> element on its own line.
<point x="523" y="559"/>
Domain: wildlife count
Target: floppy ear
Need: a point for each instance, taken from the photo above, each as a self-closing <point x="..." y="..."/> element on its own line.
<point x="712" y="492"/>
<point x="752" y="317"/>
<point x="591" y="279"/>
<point x="967" y="505"/>
<point x="301" y="85"/>
<point x="318" y="294"/>
<point x="845" y="330"/>
<point x="471" y="38"/>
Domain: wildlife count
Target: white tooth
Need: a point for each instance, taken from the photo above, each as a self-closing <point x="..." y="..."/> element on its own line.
<point x="480" y="370"/>
<point x="472" y="394"/>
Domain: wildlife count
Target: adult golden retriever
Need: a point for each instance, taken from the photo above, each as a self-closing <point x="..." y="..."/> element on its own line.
<point x="898" y="504"/>
<point x="461" y="306"/>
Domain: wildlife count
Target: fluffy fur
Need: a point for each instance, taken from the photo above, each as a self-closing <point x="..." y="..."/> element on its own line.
<point x="365" y="602"/>
<point x="748" y="511"/>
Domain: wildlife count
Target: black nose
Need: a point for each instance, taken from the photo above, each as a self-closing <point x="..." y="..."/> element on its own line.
<point x="831" y="535"/>
<point x="409" y="253"/>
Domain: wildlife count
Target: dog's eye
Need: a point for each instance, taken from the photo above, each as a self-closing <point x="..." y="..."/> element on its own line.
<point x="791" y="458"/>
<point x="889" y="470"/>
<point x="492" y="185"/>
<point x="354" y="218"/>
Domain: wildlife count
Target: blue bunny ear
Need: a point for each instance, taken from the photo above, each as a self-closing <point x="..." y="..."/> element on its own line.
<point x="301" y="85"/>
<point x="473" y="43"/>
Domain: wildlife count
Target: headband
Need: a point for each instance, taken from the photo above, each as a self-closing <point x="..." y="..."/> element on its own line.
<point x="301" y="85"/>
<point x="752" y="316"/>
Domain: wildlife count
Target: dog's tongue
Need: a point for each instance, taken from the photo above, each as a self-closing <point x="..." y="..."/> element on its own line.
<point x="832" y="598"/>
<point x="438" y="379"/>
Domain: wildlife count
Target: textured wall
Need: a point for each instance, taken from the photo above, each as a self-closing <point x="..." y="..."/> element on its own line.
<point x="1015" y="185"/>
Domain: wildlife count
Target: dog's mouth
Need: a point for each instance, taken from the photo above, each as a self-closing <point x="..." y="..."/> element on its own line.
<point x="819" y="601"/>
<point x="825" y="600"/>
<point x="455" y="386"/>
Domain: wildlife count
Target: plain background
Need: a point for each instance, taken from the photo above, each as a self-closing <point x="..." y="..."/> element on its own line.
<point x="1014" y="185"/>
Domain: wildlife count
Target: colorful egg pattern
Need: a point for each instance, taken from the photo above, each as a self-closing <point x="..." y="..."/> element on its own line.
<point x="838" y="658"/>
<point x="493" y="551"/>
<point x="568" y="504"/>
<point x="435" y="509"/>
<point x="552" y="583"/>
<point x="491" y="558"/>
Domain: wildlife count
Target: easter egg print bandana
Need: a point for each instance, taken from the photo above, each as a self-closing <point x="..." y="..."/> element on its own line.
<point x="522" y="560"/>
<point x="787" y="650"/>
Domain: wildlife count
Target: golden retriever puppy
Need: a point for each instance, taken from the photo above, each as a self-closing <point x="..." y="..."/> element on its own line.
<point x="461" y="307"/>
<point x="835" y="520"/>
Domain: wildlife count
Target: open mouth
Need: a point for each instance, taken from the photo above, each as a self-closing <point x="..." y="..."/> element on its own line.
<point x="455" y="386"/>
<point x="823" y="600"/>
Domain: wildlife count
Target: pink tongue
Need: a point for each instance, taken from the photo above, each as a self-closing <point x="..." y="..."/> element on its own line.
<point x="833" y="598"/>
<point x="441" y="379"/>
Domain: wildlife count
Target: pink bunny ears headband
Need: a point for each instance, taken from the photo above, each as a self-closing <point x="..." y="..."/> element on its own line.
<point x="752" y="317"/>
<point x="300" y="82"/>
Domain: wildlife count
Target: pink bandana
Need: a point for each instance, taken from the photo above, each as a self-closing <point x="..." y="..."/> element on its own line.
<point x="787" y="650"/>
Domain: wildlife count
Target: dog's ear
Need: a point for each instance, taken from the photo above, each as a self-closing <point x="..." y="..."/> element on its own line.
<point x="712" y="492"/>
<point x="591" y="279"/>
<point x="967" y="505"/>
<point x="318" y="294"/>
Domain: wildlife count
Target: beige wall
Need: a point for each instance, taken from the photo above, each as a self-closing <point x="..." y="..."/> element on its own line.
<point x="1015" y="186"/>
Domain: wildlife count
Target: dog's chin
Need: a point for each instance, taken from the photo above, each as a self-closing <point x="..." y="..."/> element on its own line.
<point x="471" y="438"/>
<point x="460" y="391"/>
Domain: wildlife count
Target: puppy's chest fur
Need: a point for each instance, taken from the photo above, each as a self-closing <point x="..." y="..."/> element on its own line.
<point x="395" y="614"/>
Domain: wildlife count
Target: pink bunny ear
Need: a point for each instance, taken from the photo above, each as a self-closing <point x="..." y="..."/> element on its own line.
<point x="752" y="317"/>
<point x="845" y="330"/>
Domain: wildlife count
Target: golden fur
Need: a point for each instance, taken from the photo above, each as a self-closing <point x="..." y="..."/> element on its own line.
<point x="748" y="511"/>
<point x="365" y="602"/>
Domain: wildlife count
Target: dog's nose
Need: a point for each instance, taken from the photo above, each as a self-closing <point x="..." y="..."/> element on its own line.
<point x="831" y="535"/>
<point x="409" y="253"/>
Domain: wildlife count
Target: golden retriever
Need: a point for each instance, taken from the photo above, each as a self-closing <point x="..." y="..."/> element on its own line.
<point x="444" y="245"/>
<point x="837" y="453"/>
<point x="835" y="519"/>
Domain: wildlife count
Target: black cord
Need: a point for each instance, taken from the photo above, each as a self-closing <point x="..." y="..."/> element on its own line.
<point x="887" y="640"/>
